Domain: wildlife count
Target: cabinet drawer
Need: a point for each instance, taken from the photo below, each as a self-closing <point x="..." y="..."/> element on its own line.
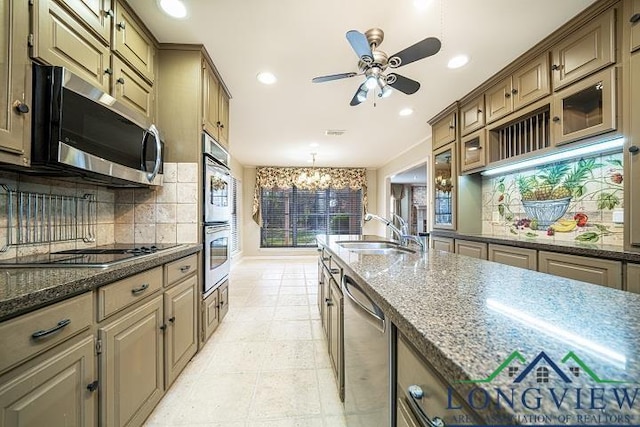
<point x="50" y="325"/>
<point x="516" y="257"/>
<point x="592" y="270"/>
<point x="132" y="43"/>
<point x="61" y="40"/>
<point x="471" y="249"/>
<point x="123" y="293"/>
<point x="413" y="370"/>
<point x="223" y="295"/>
<point x="181" y="268"/>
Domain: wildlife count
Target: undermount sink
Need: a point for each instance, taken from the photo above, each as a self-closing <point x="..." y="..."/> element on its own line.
<point x="374" y="247"/>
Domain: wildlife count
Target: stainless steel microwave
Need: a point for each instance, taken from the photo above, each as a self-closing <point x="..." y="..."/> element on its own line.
<point x="80" y="130"/>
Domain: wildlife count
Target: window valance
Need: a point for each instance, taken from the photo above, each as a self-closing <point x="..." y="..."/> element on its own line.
<point x="338" y="178"/>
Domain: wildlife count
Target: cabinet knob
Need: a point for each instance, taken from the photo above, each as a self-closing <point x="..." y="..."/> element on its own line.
<point x="108" y="71"/>
<point x="635" y="18"/>
<point x="108" y="12"/>
<point x="221" y="304"/>
<point x="452" y="127"/>
<point x="93" y="386"/>
<point x="514" y="91"/>
<point x="172" y="319"/>
<point x="120" y="80"/>
<point x="634" y="149"/>
<point x="556" y="119"/>
<point x="122" y="25"/>
<point x="507" y="95"/>
<point x="479" y="111"/>
<point x="163" y="327"/>
<point x="21" y="107"/>
<point x="555" y="67"/>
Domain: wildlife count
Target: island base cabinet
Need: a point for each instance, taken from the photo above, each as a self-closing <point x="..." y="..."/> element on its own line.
<point x="52" y="389"/>
<point x="471" y="249"/>
<point x="516" y="257"/>
<point x="599" y="271"/>
<point x="131" y="365"/>
<point x="413" y="372"/>
<point x="633" y="278"/>
<point x="444" y="244"/>
<point x="181" y="334"/>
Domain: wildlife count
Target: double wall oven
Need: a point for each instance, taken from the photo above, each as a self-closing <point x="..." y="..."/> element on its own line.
<point x="217" y="214"/>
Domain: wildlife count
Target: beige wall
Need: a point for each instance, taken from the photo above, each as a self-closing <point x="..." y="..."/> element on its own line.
<point x="419" y="153"/>
<point x="251" y="231"/>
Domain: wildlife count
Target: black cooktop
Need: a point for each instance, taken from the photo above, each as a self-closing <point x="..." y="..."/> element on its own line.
<point x="99" y="256"/>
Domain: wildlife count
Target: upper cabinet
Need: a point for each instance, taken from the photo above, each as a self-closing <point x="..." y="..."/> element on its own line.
<point x="15" y="84"/>
<point x="215" y="106"/>
<point x="634" y="19"/>
<point x="132" y="43"/>
<point x="472" y="115"/>
<point x="444" y="179"/>
<point x="105" y="46"/>
<point x="529" y="83"/>
<point x="443" y="131"/>
<point x="585" y="51"/>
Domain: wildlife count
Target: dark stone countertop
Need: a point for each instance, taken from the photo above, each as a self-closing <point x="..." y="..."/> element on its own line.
<point x="595" y="250"/>
<point x="25" y="289"/>
<point x="467" y="316"/>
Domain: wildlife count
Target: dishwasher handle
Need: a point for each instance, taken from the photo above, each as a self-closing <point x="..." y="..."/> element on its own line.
<point x="415" y="394"/>
<point x="346" y="283"/>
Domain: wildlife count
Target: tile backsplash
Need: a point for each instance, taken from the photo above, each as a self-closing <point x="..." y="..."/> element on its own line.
<point x="168" y="214"/>
<point x="566" y="201"/>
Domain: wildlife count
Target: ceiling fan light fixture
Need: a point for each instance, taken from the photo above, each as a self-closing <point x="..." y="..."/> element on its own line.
<point x="371" y="82"/>
<point x="173" y="8"/>
<point x="362" y="94"/>
<point x="385" y="92"/>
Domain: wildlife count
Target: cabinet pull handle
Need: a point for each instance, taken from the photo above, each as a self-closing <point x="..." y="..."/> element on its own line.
<point x="108" y="71"/>
<point x="108" y="12"/>
<point x="172" y="319"/>
<point x="414" y="394"/>
<point x="185" y="268"/>
<point x="221" y="304"/>
<point x="163" y="327"/>
<point x="45" y="332"/>
<point x="634" y="149"/>
<point x="21" y="107"/>
<point x="335" y="271"/>
<point x="635" y="18"/>
<point x="556" y="67"/>
<point x="328" y="301"/>
<point x="122" y="25"/>
<point x="556" y="119"/>
<point x="120" y="80"/>
<point x="479" y="111"/>
<point x="140" y="289"/>
<point x="92" y="386"/>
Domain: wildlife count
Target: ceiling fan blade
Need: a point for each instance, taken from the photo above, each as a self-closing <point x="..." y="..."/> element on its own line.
<point x="360" y="45"/>
<point x="403" y="84"/>
<point x="422" y="49"/>
<point x="355" y="101"/>
<point x="333" y="77"/>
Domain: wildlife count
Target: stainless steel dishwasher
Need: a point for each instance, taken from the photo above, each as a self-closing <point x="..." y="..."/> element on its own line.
<point x="367" y="344"/>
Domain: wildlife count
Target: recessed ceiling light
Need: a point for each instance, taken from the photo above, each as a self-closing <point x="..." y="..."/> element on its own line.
<point x="174" y="8"/>
<point x="458" y="61"/>
<point x="266" y="78"/>
<point x="406" y="112"/>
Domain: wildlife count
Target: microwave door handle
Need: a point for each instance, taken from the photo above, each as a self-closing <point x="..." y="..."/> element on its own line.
<point x="158" y="161"/>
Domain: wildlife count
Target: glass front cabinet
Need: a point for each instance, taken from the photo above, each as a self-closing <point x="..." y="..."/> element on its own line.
<point x="444" y="184"/>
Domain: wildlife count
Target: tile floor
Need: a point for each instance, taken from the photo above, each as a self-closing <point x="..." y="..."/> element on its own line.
<point x="267" y="364"/>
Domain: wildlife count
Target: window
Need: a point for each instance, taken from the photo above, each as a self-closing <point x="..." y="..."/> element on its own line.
<point x="293" y="217"/>
<point x="542" y="374"/>
<point x="235" y="225"/>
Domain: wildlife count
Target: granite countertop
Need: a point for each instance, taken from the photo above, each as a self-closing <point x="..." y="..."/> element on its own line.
<point x="468" y="316"/>
<point x="25" y="289"/>
<point x="597" y="250"/>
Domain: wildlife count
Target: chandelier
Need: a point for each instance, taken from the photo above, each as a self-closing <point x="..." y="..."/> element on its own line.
<point x="312" y="179"/>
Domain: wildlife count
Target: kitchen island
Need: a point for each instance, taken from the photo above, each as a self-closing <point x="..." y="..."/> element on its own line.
<point x="517" y="346"/>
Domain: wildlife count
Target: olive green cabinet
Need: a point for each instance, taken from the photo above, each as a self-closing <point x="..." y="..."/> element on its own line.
<point x="445" y="187"/>
<point x="634" y="20"/>
<point x="15" y="84"/>
<point x="223" y="295"/>
<point x="131" y="365"/>
<point x="472" y="115"/>
<point x="516" y="257"/>
<point x="131" y="42"/>
<point x="589" y="49"/>
<point x="444" y="130"/>
<point x="215" y="101"/>
<point x="473" y="151"/>
<point x="209" y="316"/>
<point x="471" y="249"/>
<point x="593" y="270"/>
<point x="632" y="281"/>
<point x="422" y="394"/>
<point x="96" y="14"/>
<point x="632" y="155"/>
<point x="58" y="388"/>
<point x="131" y="89"/>
<point x="444" y="244"/>
<point x="181" y="333"/>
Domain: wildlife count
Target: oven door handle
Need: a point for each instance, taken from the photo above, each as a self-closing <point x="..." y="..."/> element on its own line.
<point x="158" y="160"/>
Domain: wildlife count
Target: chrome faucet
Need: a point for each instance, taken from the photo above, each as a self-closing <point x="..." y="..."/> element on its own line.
<point x="402" y="234"/>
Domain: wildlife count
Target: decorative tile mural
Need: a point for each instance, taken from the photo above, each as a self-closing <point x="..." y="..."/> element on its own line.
<point x="566" y="201"/>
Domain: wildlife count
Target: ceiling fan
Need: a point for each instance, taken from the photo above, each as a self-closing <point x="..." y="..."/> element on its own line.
<point x="373" y="64"/>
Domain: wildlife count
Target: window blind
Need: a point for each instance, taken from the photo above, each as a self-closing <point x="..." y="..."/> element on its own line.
<point x="235" y="208"/>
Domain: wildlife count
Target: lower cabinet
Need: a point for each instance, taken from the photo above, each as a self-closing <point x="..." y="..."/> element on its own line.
<point x="55" y="389"/>
<point x="335" y="339"/>
<point x="599" y="271"/>
<point x="209" y="320"/>
<point x="632" y="281"/>
<point x="131" y="365"/>
<point x="445" y="244"/>
<point x="471" y="249"/>
<point x="422" y="393"/>
<point x="516" y="257"/>
<point x="223" y="295"/>
<point x="181" y="333"/>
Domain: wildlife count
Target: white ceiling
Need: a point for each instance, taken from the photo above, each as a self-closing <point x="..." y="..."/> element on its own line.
<point x="300" y="39"/>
